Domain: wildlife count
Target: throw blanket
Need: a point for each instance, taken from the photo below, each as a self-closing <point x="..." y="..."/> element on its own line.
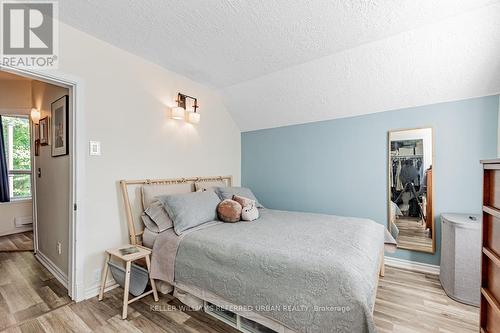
<point x="165" y="251"/>
<point x="311" y="272"/>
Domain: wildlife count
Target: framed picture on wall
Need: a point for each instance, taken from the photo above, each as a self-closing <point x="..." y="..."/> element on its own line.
<point x="59" y="124"/>
<point x="44" y="131"/>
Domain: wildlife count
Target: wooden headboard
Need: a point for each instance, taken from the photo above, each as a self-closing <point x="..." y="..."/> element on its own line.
<point x="132" y="198"/>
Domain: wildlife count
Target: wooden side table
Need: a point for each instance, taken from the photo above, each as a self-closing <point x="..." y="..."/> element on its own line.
<point x="128" y="259"/>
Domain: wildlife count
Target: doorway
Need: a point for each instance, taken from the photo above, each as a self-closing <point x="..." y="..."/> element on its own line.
<point x="53" y="180"/>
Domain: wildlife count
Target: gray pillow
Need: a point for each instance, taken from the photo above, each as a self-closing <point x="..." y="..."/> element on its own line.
<point x="189" y="210"/>
<point x="155" y="217"/>
<point x="149" y="224"/>
<point x="228" y="192"/>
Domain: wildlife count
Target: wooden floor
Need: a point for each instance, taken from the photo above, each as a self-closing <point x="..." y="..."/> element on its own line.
<point x="412" y="234"/>
<point x="17" y="242"/>
<point x="27" y="289"/>
<point x="406" y="302"/>
<point x="409" y="302"/>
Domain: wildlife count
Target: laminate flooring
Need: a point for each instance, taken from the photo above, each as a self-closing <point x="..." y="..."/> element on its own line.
<point x="31" y="300"/>
<point x="17" y="242"/>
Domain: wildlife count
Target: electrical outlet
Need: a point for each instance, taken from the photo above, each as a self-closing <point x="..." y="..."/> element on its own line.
<point x="59" y="248"/>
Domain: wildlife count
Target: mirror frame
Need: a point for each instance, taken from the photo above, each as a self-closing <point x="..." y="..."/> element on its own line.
<point x="433" y="224"/>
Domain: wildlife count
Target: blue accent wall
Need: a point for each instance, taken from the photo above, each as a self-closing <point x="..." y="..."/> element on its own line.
<point x="340" y="166"/>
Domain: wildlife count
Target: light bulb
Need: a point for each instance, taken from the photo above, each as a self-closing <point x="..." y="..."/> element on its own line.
<point x="35" y="115"/>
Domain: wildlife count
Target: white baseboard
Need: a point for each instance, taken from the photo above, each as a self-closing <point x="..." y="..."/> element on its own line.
<point x="94" y="290"/>
<point x="411" y="265"/>
<point x="16" y="230"/>
<point x="79" y="293"/>
<point x="52" y="268"/>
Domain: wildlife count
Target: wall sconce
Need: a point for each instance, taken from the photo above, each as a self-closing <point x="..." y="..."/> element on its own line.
<point x="178" y="113"/>
<point x="35" y="115"/>
<point x="194" y="117"/>
<point x="187" y="104"/>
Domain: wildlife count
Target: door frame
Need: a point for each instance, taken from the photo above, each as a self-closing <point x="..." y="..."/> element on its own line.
<point x="75" y="283"/>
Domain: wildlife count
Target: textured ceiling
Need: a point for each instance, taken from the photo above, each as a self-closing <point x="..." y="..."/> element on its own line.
<point x="284" y="62"/>
<point x="223" y="42"/>
<point x="455" y="59"/>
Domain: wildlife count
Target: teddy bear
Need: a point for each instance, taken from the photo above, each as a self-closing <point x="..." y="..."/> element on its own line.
<point x="249" y="210"/>
<point x="229" y="211"/>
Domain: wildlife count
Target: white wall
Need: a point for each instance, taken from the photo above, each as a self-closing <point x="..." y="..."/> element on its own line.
<point x="125" y="107"/>
<point x="15" y="98"/>
<point x="9" y="211"/>
<point x="52" y="188"/>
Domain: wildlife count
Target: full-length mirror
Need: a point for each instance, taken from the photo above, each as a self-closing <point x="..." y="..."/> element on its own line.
<point x="410" y="206"/>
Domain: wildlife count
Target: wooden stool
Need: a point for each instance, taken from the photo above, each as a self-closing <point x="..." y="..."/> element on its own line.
<point x="128" y="259"/>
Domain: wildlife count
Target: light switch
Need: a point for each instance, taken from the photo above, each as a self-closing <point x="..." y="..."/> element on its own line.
<point x="94" y="148"/>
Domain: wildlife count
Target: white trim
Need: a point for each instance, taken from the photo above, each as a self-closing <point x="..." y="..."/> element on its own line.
<point x="412" y="265"/>
<point x="94" y="290"/>
<point x="78" y="149"/>
<point x="17" y="201"/>
<point x="33" y="187"/>
<point x="52" y="268"/>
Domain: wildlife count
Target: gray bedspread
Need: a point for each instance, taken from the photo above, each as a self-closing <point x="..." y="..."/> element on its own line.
<point x="165" y="251"/>
<point x="311" y="272"/>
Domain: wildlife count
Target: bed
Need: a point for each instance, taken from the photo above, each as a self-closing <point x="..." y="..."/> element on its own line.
<point x="288" y="271"/>
<point x="395" y="213"/>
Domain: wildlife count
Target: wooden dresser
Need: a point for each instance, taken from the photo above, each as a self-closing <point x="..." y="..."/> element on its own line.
<point x="490" y="269"/>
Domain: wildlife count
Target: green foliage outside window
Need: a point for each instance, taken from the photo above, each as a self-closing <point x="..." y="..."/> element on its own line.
<point x="21" y="154"/>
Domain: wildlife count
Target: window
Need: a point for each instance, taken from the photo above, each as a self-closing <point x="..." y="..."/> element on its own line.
<point x="17" y="141"/>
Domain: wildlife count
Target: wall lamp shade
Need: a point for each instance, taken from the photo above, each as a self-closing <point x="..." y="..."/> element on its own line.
<point x="35" y="115"/>
<point x="186" y="108"/>
<point x="178" y="113"/>
<point x="194" y="117"/>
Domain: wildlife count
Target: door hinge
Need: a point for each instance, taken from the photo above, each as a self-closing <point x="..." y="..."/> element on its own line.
<point x="74" y="207"/>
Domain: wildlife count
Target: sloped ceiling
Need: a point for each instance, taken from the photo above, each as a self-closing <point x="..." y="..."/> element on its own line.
<point x="285" y="62"/>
